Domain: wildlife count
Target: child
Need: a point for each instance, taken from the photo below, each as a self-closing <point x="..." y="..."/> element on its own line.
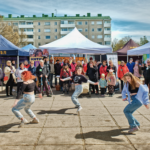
<point x="111" y="82"/>
<point x="102" y="84"/>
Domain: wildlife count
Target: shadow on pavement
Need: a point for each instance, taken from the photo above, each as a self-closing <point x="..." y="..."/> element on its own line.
<point x="61" y="111"/>
<point x="4" y="128"/>
<point x="111" y="135"/>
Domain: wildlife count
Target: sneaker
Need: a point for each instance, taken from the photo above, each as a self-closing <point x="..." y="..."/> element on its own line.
<point x="49" y="95"/>
<point x="35" y="121"/>
<point x="138" y="127"/>
<point x="24" y="121"/>
<point x="133" y="130"/>
<point x="79" y="108"/>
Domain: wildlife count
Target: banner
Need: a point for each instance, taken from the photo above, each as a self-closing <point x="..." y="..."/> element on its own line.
<point x="146" y="57"/>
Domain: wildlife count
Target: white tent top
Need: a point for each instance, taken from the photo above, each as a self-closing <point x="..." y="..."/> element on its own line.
<point x="144" y="49"/>
<point x="76" y="43"/>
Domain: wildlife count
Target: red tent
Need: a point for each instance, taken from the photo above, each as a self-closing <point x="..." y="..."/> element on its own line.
<point x="128" y="46"/>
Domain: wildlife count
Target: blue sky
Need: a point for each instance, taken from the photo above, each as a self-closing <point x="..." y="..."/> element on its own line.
<point x="129" y="18"/>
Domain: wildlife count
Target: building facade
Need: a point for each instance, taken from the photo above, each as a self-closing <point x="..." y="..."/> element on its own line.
<point x="45" y="29"/>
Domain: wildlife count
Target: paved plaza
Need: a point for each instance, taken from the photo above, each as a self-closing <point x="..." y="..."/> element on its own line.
<point x="101" y="125"/>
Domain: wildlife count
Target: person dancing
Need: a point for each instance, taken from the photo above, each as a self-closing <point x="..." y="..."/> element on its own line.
<point x="28" y="98"/>
<point x="78" y="78"/>
<point x="140" y="96"/>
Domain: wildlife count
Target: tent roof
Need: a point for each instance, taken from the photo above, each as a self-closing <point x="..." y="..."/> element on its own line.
<point x="13" y="50"/>
<point x="128" y="46"/>
<point x="144" y="49"/>
<point x="75" y="42"/>
<point x="28" y="47"/>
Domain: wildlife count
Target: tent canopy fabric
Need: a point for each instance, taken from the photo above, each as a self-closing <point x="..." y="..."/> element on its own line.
<point x="144" y="49"/>
<point x="28" y="47"/>
<point x="76" y="43"/>
<point x="127" y="47"/>
<point x="10" y="48"/>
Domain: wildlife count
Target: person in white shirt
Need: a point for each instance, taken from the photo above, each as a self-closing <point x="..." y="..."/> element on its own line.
<point x="19" y="79"/>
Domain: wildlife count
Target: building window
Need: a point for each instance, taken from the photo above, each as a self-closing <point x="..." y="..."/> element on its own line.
<point x="64" y="29"/>
<point x="107" y="21"/>
<point x="55" y="37"/>
<point x="39" y="30"/>
<point x="99" y="22"/>
<point x="92" y="22"/>
<point x="107" y="42"/>
<point x="29" y="23"/>
<point x="47" y="23"/>
<point x="70" y="29"/>
<point x="86" y="30"/>
<point x="86" y="22"/>
<point x="107" y="29"/>
<point x="99" y="36"/>
<point x="86" y="36"/>
<point x="71" y="22"/>
<point x="15" y="24"/>
<point x="62" y="22"/>
<point x="99" y="29"/>
<point x="79" y="23"/>
<point x="22" y="22"/>
<point x="100" y="43"/>
<point x="107" y="36"/>
<point x="47" y="30"/>
<point x="92" y="29"/>
<point x="55" y="23"/>
<point x="29" y="30"/>
<point x="47" y="37"/>
<point x="39" y="44"/>
<point x="80" y="30"/>
<point x="62" y="35"/>
<point x="55" y="30"/>
<point x="39" y="37"/>
<point x="93" y="36"/>
<point x="39" y="23"/>
<point x="30" y="36"/>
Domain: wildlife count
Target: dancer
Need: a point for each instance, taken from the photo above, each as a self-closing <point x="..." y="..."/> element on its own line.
<point x="28" y="98"/>
<point x="139" y="96"/>
<point x="78" y="78"/>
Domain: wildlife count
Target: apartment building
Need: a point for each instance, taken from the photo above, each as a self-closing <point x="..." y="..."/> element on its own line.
<point x="46" y="29"/>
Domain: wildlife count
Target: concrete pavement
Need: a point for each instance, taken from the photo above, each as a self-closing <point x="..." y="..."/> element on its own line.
<point x="101" y="125"/>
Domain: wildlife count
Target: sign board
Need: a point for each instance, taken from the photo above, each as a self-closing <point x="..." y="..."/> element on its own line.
<point x="146" y="57"/>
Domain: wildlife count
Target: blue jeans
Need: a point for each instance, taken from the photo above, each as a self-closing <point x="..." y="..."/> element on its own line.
<point x="51" y="79"/>
<point x="77" y="92"/>
<point x="130" y="109"/>
<point x="25" y="103"/>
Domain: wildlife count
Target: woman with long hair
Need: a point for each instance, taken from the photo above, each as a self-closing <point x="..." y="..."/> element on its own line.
<point x="139" y="95"/>
<point x="28" y="98"/>
<point x="78" y="78"/>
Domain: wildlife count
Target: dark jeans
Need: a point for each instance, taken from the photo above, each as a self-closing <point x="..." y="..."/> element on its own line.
<point x="147" y="81"/>
<point x="94" y="87"/>
<point x="19" y="87"/>
<point x="51" y="78"/>
<point x="121" y="85"/>
<point x="11" y="87"/>
<point x="56" y="80"/>
<point x="103" y="91"/>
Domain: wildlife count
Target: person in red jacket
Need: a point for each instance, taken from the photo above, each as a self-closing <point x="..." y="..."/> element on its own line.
<point x="103" y="69"/>
<point x="26" y="65"/>
<point x="122" y="70"/>
<point x="64" y="73"/>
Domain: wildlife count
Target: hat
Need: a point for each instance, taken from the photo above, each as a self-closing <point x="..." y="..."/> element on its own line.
<point x="110" y="70"/>
<point x="91" y="58"/>
<point x="103" y="75"/>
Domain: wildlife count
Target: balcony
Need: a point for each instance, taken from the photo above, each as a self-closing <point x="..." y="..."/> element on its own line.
<point x="107" y="31"/>
<point x="30" y="40"/>
<point x="107" y="24"/>
<point x="26" y="26"/>
<point x="107" y="39"/>
<point x="27" y="32"/>
<point x="67" y="25"/>
<point x="64" y="32"/>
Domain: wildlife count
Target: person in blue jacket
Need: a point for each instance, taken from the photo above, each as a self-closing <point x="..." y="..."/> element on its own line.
<point x="131" y="65"/>
<point x="140" y="96"/>
<point x="32" y="69"/>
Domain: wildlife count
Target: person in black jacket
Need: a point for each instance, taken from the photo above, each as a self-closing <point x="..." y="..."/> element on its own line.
<point x="146" y="72"/>
<point x="92" y="73"/>
<point x="112" y="66"/>
<point x="42" y="71"/>
<point x="57" y="68"/>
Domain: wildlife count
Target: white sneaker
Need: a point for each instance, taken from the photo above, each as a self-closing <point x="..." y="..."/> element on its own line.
<point x="34" y="121"/>
<point x="13" y="90"/>
<point x="24" y="121"/>
<point x="79" y="108"/>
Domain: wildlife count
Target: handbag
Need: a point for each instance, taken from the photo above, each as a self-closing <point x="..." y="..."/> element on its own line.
<point x="6" y="78"/>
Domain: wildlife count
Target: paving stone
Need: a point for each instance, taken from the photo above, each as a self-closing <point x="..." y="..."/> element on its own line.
<point x="114" y="103"/>
<point x="5" y="120"/>
<point x="143" y="110"/>
<point x="60" y="136"/>
<point x="43" y="104"/>
<point x="103" y="135"/>
<point x="109" y="147"/>
<point x="142" y="147"/>
<point x="98" y="121"/>
<point x="62" y="121"/>
<point x="90" y="103"/>
<point x="19" y="136"/>
<point x="16" y="148"/>
<point x="62" y="147"/>
<point x="63" y="104"/>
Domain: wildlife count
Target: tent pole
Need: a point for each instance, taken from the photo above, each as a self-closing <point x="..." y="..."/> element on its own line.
<point x="18" y="61"/>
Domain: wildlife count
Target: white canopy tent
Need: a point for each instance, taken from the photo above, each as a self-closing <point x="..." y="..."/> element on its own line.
<point x="75" y="43"/>
<point x="144" y="49"/>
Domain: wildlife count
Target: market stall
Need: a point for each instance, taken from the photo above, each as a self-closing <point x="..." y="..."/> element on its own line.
<point x="28" y="47"/>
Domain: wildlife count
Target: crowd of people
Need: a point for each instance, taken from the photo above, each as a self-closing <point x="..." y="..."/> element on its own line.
<point x="100" y="76"/>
